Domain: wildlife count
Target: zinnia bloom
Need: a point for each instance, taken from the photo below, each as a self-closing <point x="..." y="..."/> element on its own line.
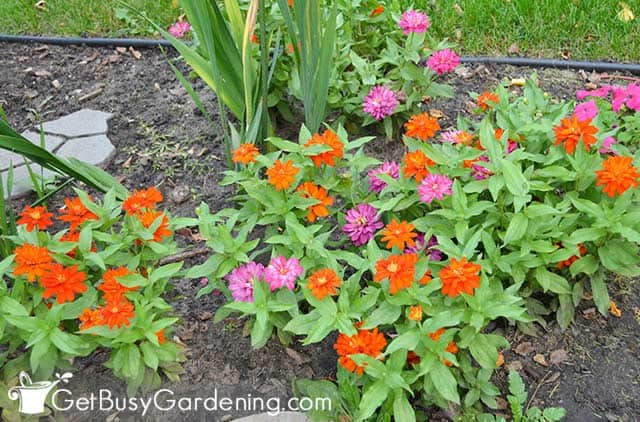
<point x="416" y="164"/>
<point x="245" y="154"/>
<point x="241" y="281"/>
<point x="362" y="223"/>
<point x="571" y="131"/>
<point x="75" y="213"/>
<point x="112" y="289"/>
<point x="443" y="61"/>
<point x="282" y="272"/>
<point x="365" y="342"/>
<point x="149" y="217"/>
<point x="422" y="126"/>
<point x="459" y="276"/>
<point x="487" y="100"/>
<point x="161" y="338"/>
<point x="426" y="278"/>
<point x="617" y="175"/>
<point x="380" y="102"/>
<point x="450" y="136"/>
<point x="586" y="111"/>
<point x="428" y="247"/>
<point x="309" y="190"/>
<point x="377" y="11"/>
<point x="90" y="318"/>
<point x="117" y="314"/>
<point x="35" y="217"/>
<point x="398" y="233"/>
<point x="31" y="260"/>
<point x="63" y="283"/>
<point x="281" y="175"/>
<point x="464" y="138"/>
<point x="435" y="336"/>
<point x="142" y="199"/>
<point x="607" y="143"/>
<point x="324" y="282"/>
<point x="434" y="186"/>
<point x="569" y="262"/>
<point x="179" y="29"/>
<point x="390" y="168"/>
<point x="452" y="347"/>
<point x="601" y="92"/>
<point x="413" y="21"/>
<point x="415" y="313"/>
<point x="330" y="139"/>
<point x="399" y="269"/>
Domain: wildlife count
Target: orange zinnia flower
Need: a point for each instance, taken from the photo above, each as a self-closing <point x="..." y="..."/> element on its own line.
<point x="399" y="269"/>
<point x="464" y="137"/>
<point x="459" y="276"/>
<point x="112" y="289"/>
<point x="63" y="282"/>
<point x="415" y="313"/>
<point x="366" y="342"/>
<point x="309" y="190"/>
<point x="426" y="278"/>
<point x="160" y="336"/>
<point x="487" y="100"/>
<point x="415" y="164"/>
<point x="90" y="318"/>
<point x="147" y="219"/>
<point x="398" y="233"/>
<point x="435" y="336"/>
<point x="571" y="131"/>
<point x="422" y="126"/>
<point x="330" y="139"/>
<point x="323" y="282"/>
<point x="617" y="175"/>
<point x="117" y="314"/>
<point x="452" y="347"/>
<point x="377" y="11"/>
<point x="142" y="199"/>
<point x="245" y="154"/>
<point x="35" y="217"/>
<point x="568" y="262"/>
<point x="412" y="358"/>
<point x="31" y="260"/>
<point x="75" y="213"/>
<point x="281" y="175"/>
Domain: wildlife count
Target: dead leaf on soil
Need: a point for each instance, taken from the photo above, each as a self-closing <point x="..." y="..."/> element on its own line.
<point x="121" y="50"/>
<point x="113" y="417"/>
<point x="500" y="360"/>
<point x="502" y="403"/>
<point x="42" y="73"/>
<point x="205" y="315"/>
<point x="614" y="310"/>
<point x="297" y="356"/>
<point x="587" y="296"/>
<point x="90" y="58"/>
<point x="524" y="348"/>
<point x="463" y="72"/>
<point x="516" y="365"/>
<point x="589" y="313"/>
<point x="135" y="53"/>
<point x="426" y="99"/>
<point x="539" y="358"/>
<point x="513" y="49"/>
<point x="438" y="114"/>
<point x="558" y="356"/>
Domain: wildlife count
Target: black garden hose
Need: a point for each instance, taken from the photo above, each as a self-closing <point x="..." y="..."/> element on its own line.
<point x="513" y="61"/>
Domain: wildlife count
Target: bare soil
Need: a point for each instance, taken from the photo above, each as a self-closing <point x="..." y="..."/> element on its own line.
<point x="163" y="140"/>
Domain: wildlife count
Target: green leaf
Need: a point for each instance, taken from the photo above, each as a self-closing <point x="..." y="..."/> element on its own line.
<point x="552" y="282"/>
<point x="402" y="409"/>
<point x="517" y="228"/>
<point x="386" y="313"/>
<point x="620" y="256"/>
<point x="600" y="292"/>
<point x="373" y="397"/>
<point x="445" y="382"/>
<point x="484" y="352"/>
<point x="149" y="355"/>
<point x="516" y="183"/>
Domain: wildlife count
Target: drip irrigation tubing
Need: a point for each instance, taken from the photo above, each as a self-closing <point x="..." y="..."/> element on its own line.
<point x="513" y="61"/>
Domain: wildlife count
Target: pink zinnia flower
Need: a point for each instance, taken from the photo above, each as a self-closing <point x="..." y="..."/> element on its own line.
<point x="450" y="136"/>
<point x="388" y="167"/>
<point x="601" y="92"/>
<point x="634" y="97"/>
<point x="443" y="61"/>
<point x="480" y="172"/>
<point x="241" y="281"/>
<point x="380" y="102"/>
<point x="362" y="223"/>
<point x="619" y="98"/>
<point x="282" y="272"/>
<point x="413" y="21"/>
<point x="586" y="111"/>
<point x="607" y="143"/>
<point x="179" y="29"/>
<point x="434" y="186"/>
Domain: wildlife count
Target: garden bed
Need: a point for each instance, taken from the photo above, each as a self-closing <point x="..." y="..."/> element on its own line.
<point x="161" y="139"/>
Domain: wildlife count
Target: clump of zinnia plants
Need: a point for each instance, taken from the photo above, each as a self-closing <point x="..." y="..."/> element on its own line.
<point x="93" y="283"/>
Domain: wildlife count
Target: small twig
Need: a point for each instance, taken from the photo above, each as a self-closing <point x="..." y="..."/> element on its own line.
<point x="184" y="255"/>
<point x="91" y="95"/>
<point x="533" y="396"/>
<point x="627" y="78"/>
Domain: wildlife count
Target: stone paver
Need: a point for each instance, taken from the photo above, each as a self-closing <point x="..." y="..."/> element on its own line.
<point x="81" y="135"/>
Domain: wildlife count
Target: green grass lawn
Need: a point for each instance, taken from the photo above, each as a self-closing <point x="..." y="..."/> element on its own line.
<point x="579" y="29"/>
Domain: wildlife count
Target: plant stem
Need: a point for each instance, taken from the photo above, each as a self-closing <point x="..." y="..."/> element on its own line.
<point x="264" y="70"/>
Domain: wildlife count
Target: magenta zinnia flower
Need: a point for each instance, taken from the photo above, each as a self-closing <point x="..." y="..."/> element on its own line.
<point x="428" y="248"/>
<point x="634" y="97"/>
<point x="479" y="172"/>
<point x="179" y="29"/>
<point x="434" y="186"/>
<point x="586" y="111"/>
<point x="607" y="143"/>
<point x="380" y="102"/>
<point x="388" y="167"/>
<point x="241" y="281"/>
<point x="443" y="61"/>
<point x="282" y="272"/>
<point x="601" y="92"/>
<point x="413" y="21"/>
<point x="362" y="223"/>
<point x="450" y="136"/>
